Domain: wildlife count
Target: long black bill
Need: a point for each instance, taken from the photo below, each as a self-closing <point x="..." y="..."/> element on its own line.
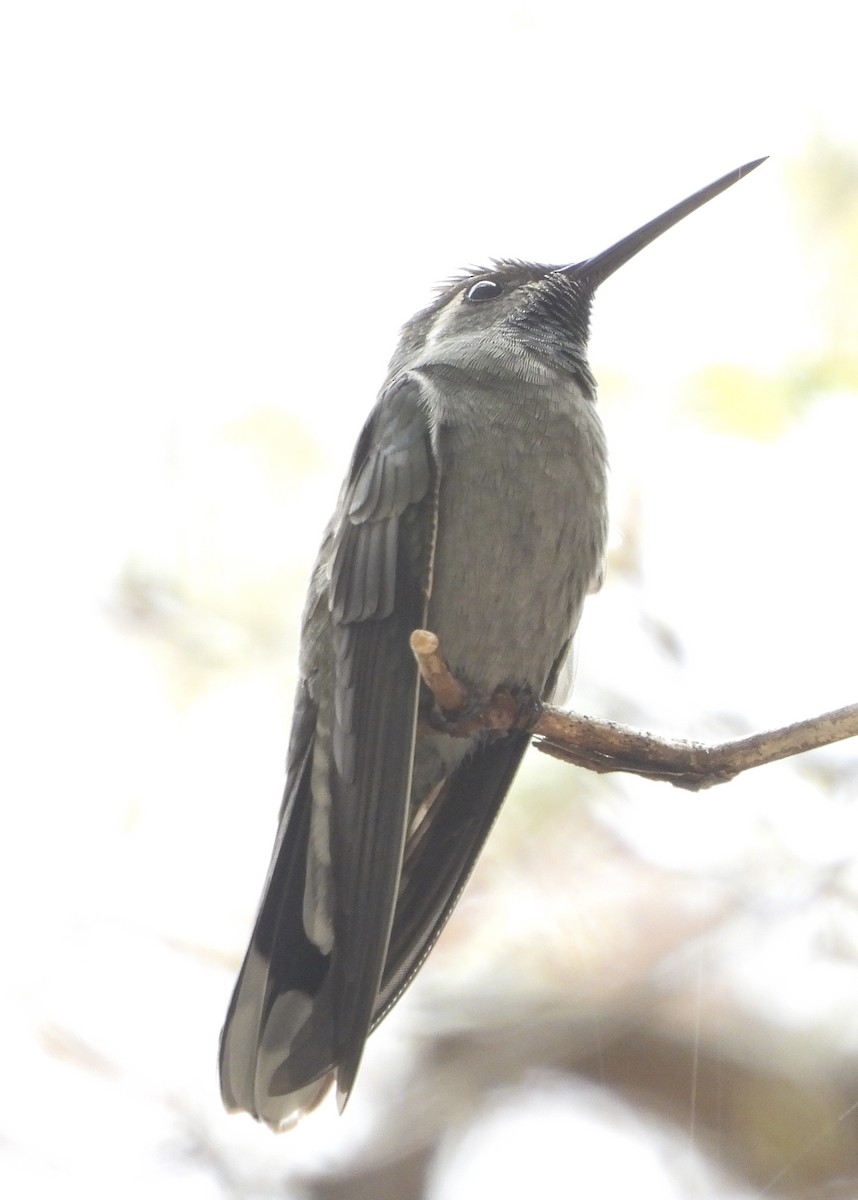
<point x="596" y="270"/>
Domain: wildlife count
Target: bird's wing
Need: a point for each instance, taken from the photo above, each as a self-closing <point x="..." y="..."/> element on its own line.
<point x="442" y="849"/>
<point x="440" y="856"/>
<point x="305" y="998"/>
<point x="379" y="589"/>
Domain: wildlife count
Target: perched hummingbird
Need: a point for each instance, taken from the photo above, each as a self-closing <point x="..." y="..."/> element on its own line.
<point x="475" y="507"/>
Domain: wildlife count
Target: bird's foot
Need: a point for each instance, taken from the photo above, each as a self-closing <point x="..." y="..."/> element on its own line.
<point x="513" y="708"/>
<point x="503" y="709"/>
<point x="457" y="709"/>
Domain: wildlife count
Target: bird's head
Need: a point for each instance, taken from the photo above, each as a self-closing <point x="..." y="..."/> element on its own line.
<point x="529" y="318"/>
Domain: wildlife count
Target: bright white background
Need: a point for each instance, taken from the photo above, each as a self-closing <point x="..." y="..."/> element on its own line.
<point x="212" y="210"/>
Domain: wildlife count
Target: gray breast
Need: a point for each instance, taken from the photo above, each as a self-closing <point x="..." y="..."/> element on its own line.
<point x="521" y="530"/>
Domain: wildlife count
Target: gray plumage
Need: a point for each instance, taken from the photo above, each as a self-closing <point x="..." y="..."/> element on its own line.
<point x="475" y="506"/>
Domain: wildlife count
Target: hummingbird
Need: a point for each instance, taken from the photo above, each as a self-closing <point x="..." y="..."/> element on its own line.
<point x="475" y="506"/>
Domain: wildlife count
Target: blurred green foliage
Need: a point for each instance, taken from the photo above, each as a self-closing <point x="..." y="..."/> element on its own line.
<point x="734" y="398"/>
<point x="280" y="442"/>
<point x="731" y="398"/>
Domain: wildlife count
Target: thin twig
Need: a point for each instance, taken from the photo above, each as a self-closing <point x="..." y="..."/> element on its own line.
<point x="436" y="674"/>
<point x="605" y="746"/>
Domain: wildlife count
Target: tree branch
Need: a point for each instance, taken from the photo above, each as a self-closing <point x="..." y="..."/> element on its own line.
<point x="605" y="746"/>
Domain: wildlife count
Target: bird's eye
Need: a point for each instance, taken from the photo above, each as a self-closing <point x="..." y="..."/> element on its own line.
<point x="486" y="289"/>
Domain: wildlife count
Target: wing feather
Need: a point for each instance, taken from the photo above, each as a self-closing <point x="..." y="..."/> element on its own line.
<point x="441" y="854"/>
<point x="305" y="998"/>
